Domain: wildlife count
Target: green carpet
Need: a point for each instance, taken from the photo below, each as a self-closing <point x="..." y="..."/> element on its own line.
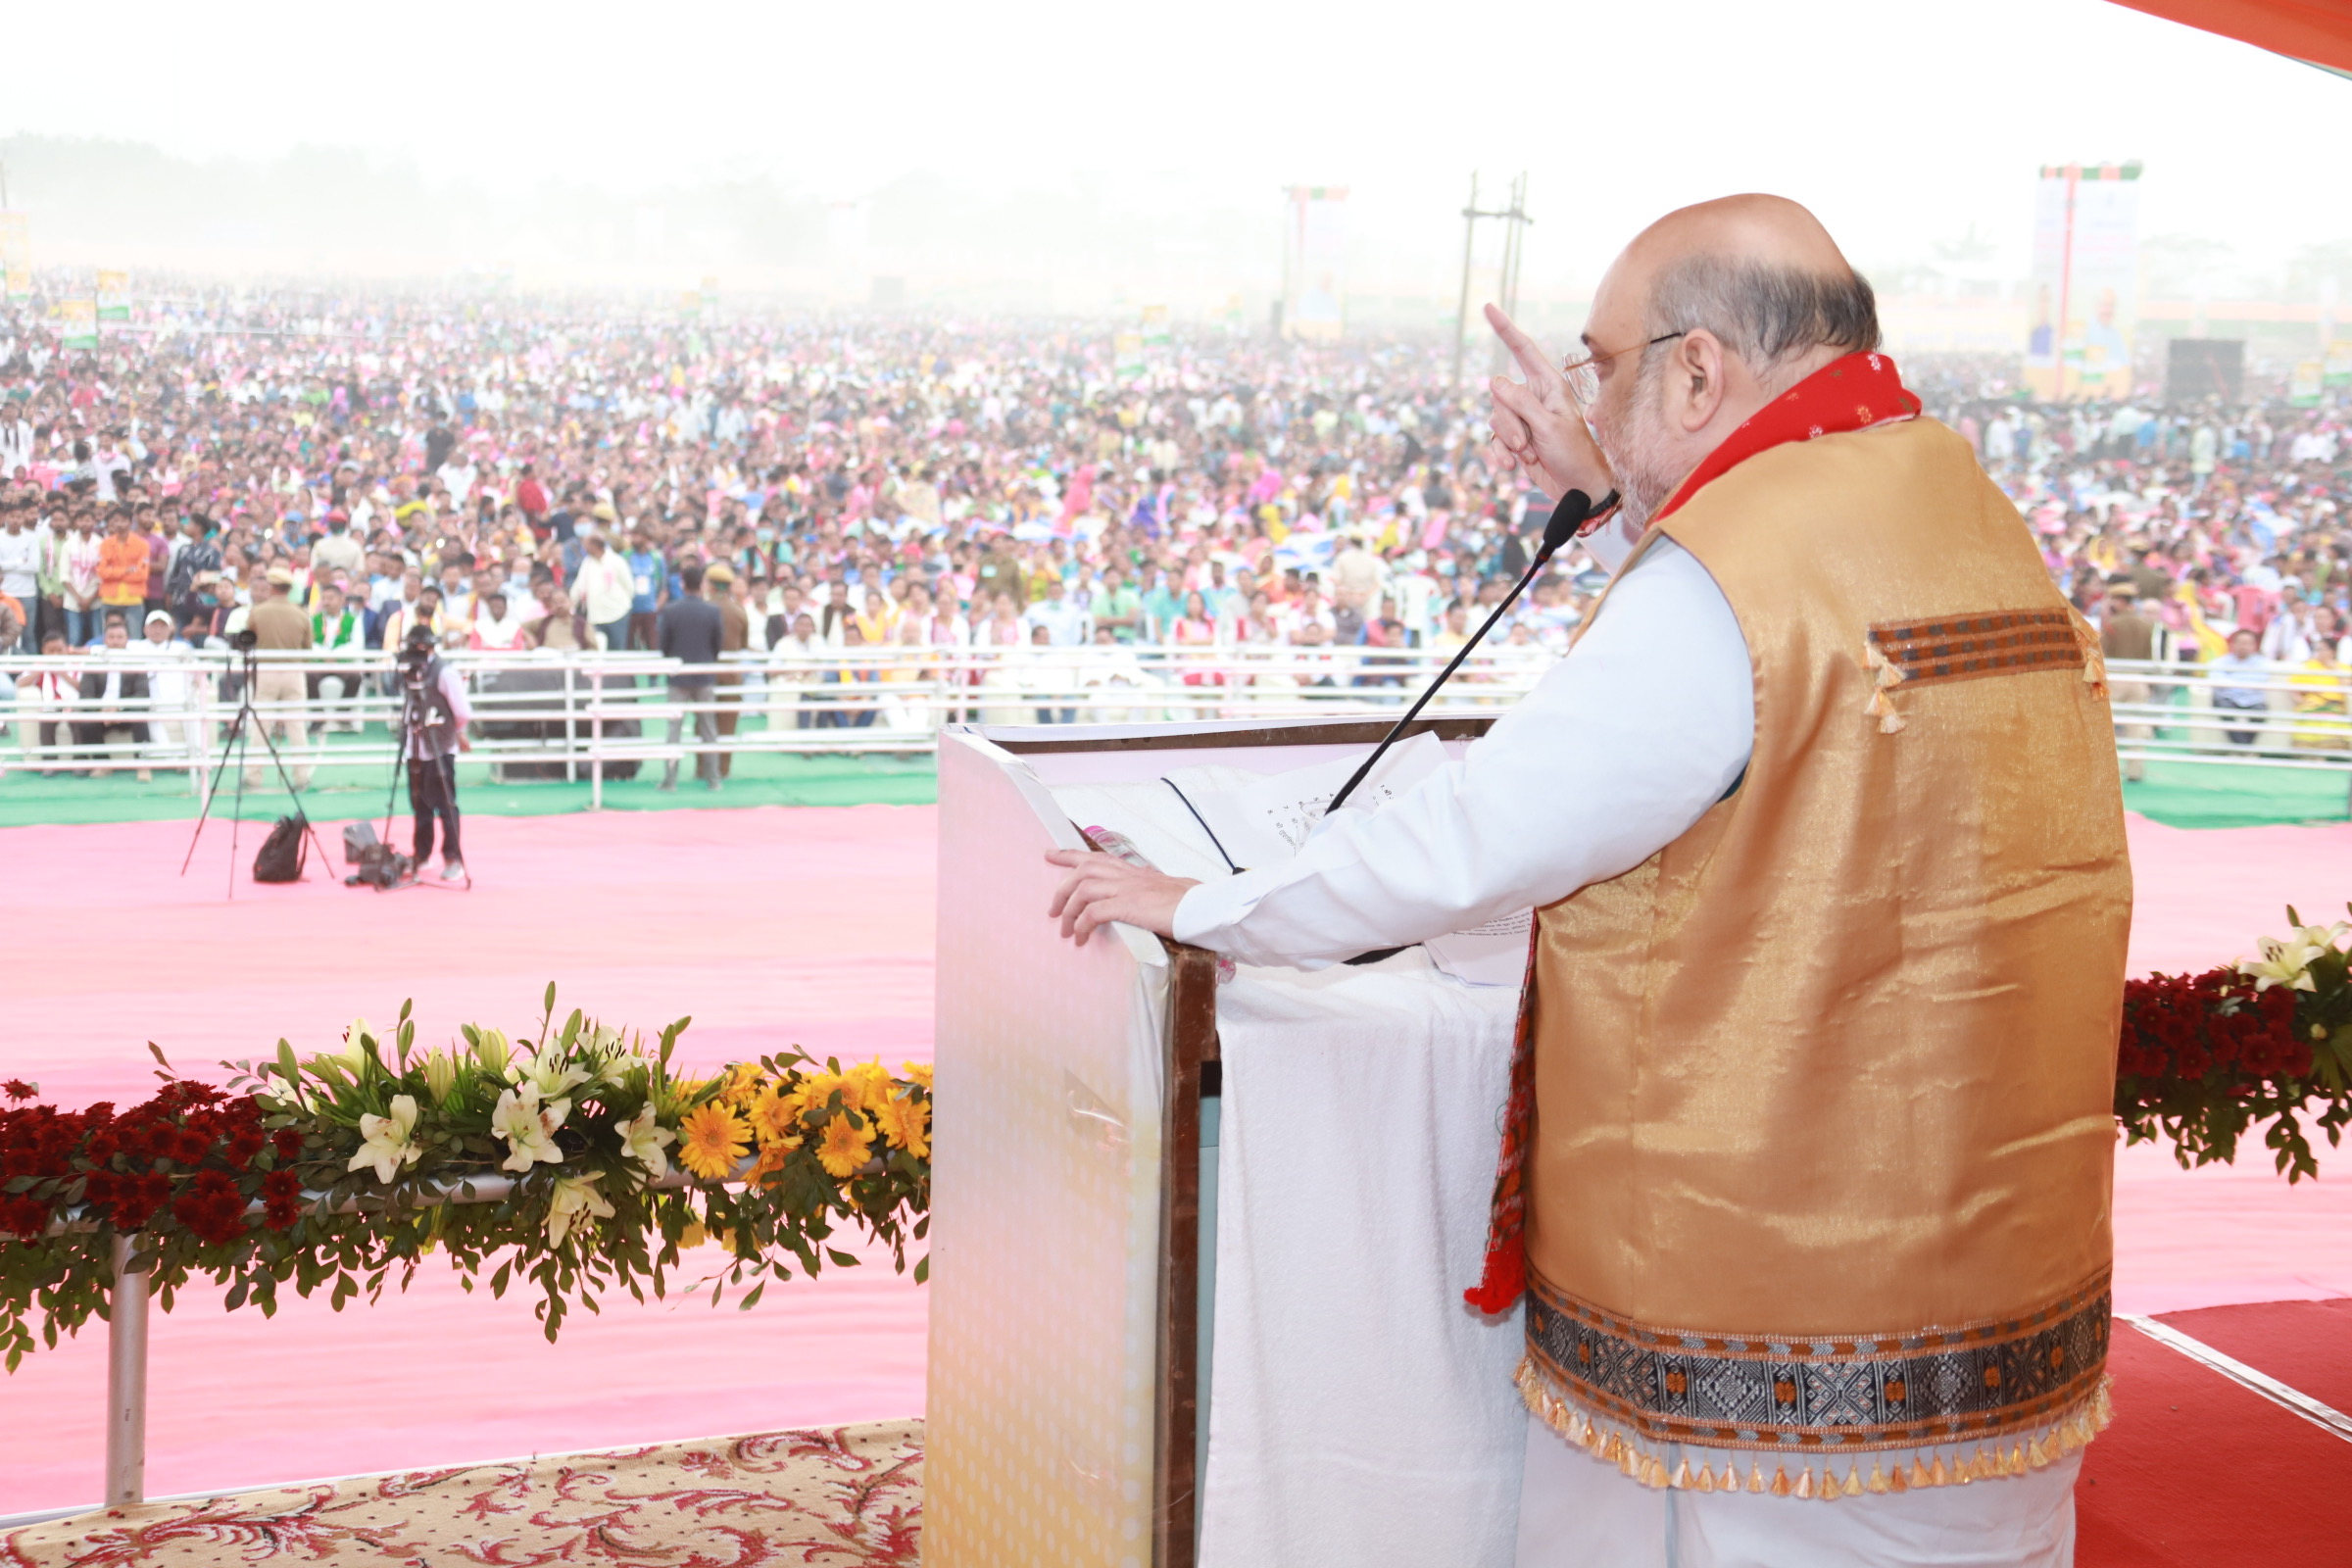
<point x="2196" y="795"/>
<point x="343" y="794"/>
<point x="2179" y="794"/>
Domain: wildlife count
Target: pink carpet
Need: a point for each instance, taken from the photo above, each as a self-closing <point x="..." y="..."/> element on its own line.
<point x="770" y="926"/>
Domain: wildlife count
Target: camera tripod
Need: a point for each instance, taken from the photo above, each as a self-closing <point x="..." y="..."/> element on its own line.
<point x="233" y="745"/>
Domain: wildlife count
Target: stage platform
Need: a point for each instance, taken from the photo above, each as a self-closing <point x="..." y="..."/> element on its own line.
<point x="814" y="925"/>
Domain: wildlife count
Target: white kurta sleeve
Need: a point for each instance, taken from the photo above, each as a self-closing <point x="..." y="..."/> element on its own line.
<point x="1620" y="748"/>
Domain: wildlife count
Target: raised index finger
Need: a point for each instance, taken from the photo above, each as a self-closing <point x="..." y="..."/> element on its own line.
<point x="1542" y="375"/>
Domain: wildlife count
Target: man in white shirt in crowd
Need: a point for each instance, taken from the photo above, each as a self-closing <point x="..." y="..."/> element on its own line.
<point x="1064" y="623"/>
<point x="21" y="570"/>
<point x="605" y="589"/>
<point x="497" y="629"/>
<point x="174" y="687"/>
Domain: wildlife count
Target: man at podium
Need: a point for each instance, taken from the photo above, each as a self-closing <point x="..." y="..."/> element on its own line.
<point x="1805" y="1171"/>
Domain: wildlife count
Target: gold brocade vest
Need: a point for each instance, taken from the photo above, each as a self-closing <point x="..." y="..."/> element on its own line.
<point x="1822" y="1135"/>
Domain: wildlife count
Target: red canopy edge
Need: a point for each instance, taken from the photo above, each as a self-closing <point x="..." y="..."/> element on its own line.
<point x="2318" y="31"/>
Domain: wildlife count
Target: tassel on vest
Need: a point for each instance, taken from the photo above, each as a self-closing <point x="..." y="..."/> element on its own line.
<point x="2094" y="654"/>
<point x="1641" y="1460"/>
<point x="1889" y="676"/>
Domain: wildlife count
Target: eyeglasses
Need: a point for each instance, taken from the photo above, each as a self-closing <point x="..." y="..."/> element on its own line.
<point x="1584" y="376"/>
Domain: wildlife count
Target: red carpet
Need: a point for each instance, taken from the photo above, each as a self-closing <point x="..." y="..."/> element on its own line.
<point x="2305" y="1345"/>
<point x="2198" y="1472"/>
<point x="769" y="926"/>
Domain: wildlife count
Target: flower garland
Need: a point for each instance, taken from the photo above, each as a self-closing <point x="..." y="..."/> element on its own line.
<point x="2205" y="1057"/>
<point x="578" y="1155"/>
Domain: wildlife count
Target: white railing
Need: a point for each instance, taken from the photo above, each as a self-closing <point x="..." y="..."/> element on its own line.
<point x="584" y="715"/>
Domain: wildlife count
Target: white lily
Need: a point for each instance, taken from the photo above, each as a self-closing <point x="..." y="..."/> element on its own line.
<point x="546" y="1074"/>
<point x="2288" y="962"/>
<point x="530" y="1127"/>
<point x="390" y="1144"/>
<point x="642" y="1141"/>
<point x="440" y="1074"/>
<point x="576" y="1201"/>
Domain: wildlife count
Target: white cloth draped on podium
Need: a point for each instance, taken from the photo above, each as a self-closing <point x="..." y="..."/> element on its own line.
<point x="1360" y="1412"/>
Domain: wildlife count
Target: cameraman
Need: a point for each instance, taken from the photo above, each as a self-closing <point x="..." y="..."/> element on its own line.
<point x="434" y="715"/>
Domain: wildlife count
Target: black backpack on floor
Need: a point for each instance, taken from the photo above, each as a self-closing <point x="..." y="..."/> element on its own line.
<point x="283" y="851"/>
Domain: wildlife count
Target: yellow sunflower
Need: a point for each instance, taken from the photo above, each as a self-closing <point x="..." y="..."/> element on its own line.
<point x="816" y="1091"/>
<point x="869" y="1086"/>
<point x="743" y="1085"/>
<point x="847" y="1145"/>
<point x="711" y="1138"/>
<point x="775" y="1120"/>
<point x="907" y="1124"/>
<point x="771" y="1159"/>
<point x="918" y="1072"/>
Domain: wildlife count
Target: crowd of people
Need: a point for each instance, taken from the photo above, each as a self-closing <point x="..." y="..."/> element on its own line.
<point x="513" y="475"/>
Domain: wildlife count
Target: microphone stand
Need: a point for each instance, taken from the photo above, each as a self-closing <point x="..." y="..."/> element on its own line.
<point x="1567" y="520"/>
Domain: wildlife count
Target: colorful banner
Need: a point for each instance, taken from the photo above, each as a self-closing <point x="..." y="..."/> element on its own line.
<point x="114" y="296"/>
<point x="75" y="323"/>
<point x="1314" y="281"/>
<point x="2335" y="364"/>
<point x="15" y="254"/>
<point x="1155" y="326"/>
<point x="2085" y="270"/>
<point x="1127" y="356"/>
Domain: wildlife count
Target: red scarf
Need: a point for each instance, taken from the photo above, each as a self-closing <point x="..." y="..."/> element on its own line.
<point x="1859" y="392"/>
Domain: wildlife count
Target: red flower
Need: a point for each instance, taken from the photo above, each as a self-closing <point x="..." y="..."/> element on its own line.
<point x="129" y="1201"/>
<point x="24" y="1215"/>
<point x="212" y="1207"/>
<point x="281" y="1199"/>
<point x="18" y="1089"/>
<point x="288" y="1141"/>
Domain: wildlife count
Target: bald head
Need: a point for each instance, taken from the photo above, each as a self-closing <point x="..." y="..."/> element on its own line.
<point x="1758" y="273"/>
<point x="1765" y="230"/>
<point x="1708" y="314"/>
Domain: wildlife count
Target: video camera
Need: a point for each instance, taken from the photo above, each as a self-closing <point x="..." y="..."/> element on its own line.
<point x="416" y="657"/>
<point x="379" y="864"/>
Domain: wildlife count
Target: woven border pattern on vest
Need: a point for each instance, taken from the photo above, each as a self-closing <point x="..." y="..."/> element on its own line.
<point x="1876" y="1392"/>
<point x="2000" y="642"/>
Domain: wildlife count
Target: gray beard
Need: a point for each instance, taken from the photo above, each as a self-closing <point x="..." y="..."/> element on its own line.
<point x="1645" y="474"/>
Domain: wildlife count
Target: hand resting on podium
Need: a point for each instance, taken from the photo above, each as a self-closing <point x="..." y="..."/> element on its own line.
<point x="1102" y="887"/>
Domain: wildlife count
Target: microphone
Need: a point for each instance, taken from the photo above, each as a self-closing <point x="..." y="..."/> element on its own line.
<point x="1568" y="519"/>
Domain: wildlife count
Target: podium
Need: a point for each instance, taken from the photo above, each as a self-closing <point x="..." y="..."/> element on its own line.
<point x="1075" y="1161"/>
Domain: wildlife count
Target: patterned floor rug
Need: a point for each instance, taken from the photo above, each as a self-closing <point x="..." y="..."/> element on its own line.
<point x="847" y="1497"/>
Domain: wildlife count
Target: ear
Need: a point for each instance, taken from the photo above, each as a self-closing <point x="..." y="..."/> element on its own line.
<point x="1695" y="378"/>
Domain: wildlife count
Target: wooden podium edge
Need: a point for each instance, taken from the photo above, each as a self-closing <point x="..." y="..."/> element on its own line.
<point x="1192" y="1041"/>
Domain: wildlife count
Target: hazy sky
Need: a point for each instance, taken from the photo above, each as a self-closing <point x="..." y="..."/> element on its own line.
<point x="1902" y="123"/>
